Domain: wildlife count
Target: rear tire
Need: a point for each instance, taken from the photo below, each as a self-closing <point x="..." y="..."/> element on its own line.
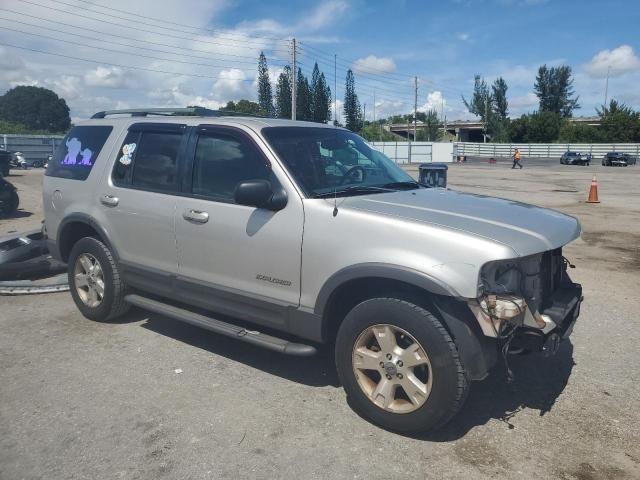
<point x="386" y="390"/>
<point x="95" y="282"/>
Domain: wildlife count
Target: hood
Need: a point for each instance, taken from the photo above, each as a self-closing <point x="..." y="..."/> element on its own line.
<point x="525" y="228"/>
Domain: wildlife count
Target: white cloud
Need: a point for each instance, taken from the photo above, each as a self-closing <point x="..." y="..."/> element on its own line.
<point x="373" y="64"/>
<point x="521" y="104"/>
<point x="323" y="15"/>
<point x="231" y="85"/>
<point x="621" y="60"/>
<point x="463" y="36"/>
<point x="111" y="77"/>
<point x="435" y="101"/>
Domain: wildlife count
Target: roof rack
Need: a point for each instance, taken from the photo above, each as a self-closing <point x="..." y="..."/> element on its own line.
<point x="191" y="111"/>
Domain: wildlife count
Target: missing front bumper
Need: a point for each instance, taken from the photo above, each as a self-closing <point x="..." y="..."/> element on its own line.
<point x="564" y="310"/>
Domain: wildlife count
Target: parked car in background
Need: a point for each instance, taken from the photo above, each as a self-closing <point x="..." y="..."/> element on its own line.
<point x="618" y="159"/>
<point x="575" y="158"/>
<point x="36" y="162"/>
<point x="9" y="199"/>
<point x="5" y="161"/>
<point x="18" y="161"/>
<point x="631" y="160"/>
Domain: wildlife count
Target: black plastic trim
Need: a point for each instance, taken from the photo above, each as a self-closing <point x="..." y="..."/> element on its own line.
<point x="478" y="352"/>
<point x="379" y="270"/>
<point x="224" y="328"/>
<point x="91" y="222"/>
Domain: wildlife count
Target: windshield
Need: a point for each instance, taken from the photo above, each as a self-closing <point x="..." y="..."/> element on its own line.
<point x="328" y="160"/>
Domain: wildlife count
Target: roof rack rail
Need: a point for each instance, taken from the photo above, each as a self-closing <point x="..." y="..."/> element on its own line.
<point x="191" y="111"/>
<point x="143" y="112"/>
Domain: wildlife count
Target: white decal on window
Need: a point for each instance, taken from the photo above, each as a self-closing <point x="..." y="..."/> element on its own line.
<point x="127" y="151"/>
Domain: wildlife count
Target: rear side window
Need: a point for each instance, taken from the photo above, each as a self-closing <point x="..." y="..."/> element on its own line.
<point x="77" y="153"/>
<point x="149" y="160"/>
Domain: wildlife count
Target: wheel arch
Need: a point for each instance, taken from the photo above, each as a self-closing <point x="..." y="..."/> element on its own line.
<point x="77" y="226"/>
<point x="350" y="286"/>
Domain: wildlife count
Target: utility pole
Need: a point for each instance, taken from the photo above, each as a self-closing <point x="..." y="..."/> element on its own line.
<point x="415" y="108"/>
<point x="486" y="119"/>
<point x="293" y="81"/>
<point x="606" y="89"/>
<point x="444" y="121"/>
<point x="335" y="89"/>
<point x="374" y="109"/>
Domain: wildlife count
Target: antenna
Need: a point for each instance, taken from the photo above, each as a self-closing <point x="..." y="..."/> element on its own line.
<point x="335" y="90"/>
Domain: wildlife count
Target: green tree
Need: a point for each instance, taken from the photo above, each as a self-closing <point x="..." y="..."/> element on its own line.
<point x="500" y="103"/>
<point x="613" y="108"/>
<point x="518" y="129"/>
<point x="283" y="93"/>
<point x="430" y="125"/>
<point x="554" y="89"/>
<point x="36" y="108"/>
<point x="571" y="132"/>
<point x="481" y="103"/>
<point x="352" y="111"/>
<point x="320" y="97"/>
<point x="265" y="96"/>
<point x="538" y="127"/>
<point x="375" y="132"/>
<point x="303" y="98"/>
<point x="246" y="107"/>
<point x="621" y="126"/>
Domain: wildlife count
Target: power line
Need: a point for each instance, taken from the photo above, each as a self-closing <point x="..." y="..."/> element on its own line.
<point x="120" y="51"/>
<point x="126" y="67"/>
<point x="210" y="54"/>
<point x="76" y="14"/>
<point x="388" y="77"/>
<point x="202" y="29"/>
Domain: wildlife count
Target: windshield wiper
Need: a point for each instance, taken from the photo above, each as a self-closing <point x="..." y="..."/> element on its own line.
<point x="354" y="189"/>
<point x="406" y="183"/>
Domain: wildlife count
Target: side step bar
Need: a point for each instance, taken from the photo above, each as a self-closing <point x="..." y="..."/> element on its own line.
<point x="218" y="326"/>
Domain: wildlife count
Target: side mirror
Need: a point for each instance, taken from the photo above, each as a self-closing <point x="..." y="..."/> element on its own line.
<point x="259" y="193"/>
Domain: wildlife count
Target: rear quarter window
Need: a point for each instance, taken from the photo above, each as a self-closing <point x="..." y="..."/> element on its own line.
<point x="76" y="155"/>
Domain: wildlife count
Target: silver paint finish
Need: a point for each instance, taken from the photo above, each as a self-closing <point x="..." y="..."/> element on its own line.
<point x="443" y="234"/>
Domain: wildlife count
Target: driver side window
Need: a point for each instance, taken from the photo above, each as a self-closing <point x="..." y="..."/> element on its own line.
<point x="222" y="161"/>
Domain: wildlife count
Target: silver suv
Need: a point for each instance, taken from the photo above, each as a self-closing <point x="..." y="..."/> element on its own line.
<point x="304" y="232"/>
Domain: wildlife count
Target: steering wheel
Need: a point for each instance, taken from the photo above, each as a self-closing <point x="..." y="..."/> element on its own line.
<point x="350" y="175"/>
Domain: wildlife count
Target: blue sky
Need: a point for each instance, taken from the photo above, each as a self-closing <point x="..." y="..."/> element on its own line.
<point x="205" y="49"/>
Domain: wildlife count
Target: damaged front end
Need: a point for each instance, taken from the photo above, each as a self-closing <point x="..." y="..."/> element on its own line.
<point x="528" y="303"/>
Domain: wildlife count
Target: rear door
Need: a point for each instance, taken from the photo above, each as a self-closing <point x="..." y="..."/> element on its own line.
<point x="138" y="201"/>
<point x="234" y="259"/>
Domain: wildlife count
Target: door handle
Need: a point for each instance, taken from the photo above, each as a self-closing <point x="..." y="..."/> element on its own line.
<point x="109" y="200"/>
<point x="195" y="216"/>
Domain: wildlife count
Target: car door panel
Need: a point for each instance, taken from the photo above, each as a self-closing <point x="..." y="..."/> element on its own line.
<point x="139" y="217"/>
<point x="242" y="261"/>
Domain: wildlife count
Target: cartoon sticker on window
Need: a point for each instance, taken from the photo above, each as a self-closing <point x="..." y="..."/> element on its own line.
<point x="75" y="155"/>
<point x="127" y="151"/>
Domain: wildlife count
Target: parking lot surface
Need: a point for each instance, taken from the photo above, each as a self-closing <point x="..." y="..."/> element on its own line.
<point x="148" y="398"/>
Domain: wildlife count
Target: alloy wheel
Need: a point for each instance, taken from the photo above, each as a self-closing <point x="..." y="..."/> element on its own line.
<point x="89" y="280"/>
<point x="392" y="368"/>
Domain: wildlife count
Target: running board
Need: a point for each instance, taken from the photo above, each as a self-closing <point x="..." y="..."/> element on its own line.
<point x="218" y="326"/>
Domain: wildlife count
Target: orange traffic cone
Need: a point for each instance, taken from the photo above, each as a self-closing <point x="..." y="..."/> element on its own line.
<point x="593" y="191"/>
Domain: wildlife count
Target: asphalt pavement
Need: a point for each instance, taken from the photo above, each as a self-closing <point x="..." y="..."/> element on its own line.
<point x="149" y="398"/>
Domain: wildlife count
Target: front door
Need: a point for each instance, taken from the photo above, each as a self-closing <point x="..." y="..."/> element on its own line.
<point x="234" y="259"/>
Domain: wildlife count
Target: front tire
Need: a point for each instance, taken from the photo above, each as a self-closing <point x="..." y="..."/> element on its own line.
<point x="95" y="282"/>
<point x="399" y="366"/>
